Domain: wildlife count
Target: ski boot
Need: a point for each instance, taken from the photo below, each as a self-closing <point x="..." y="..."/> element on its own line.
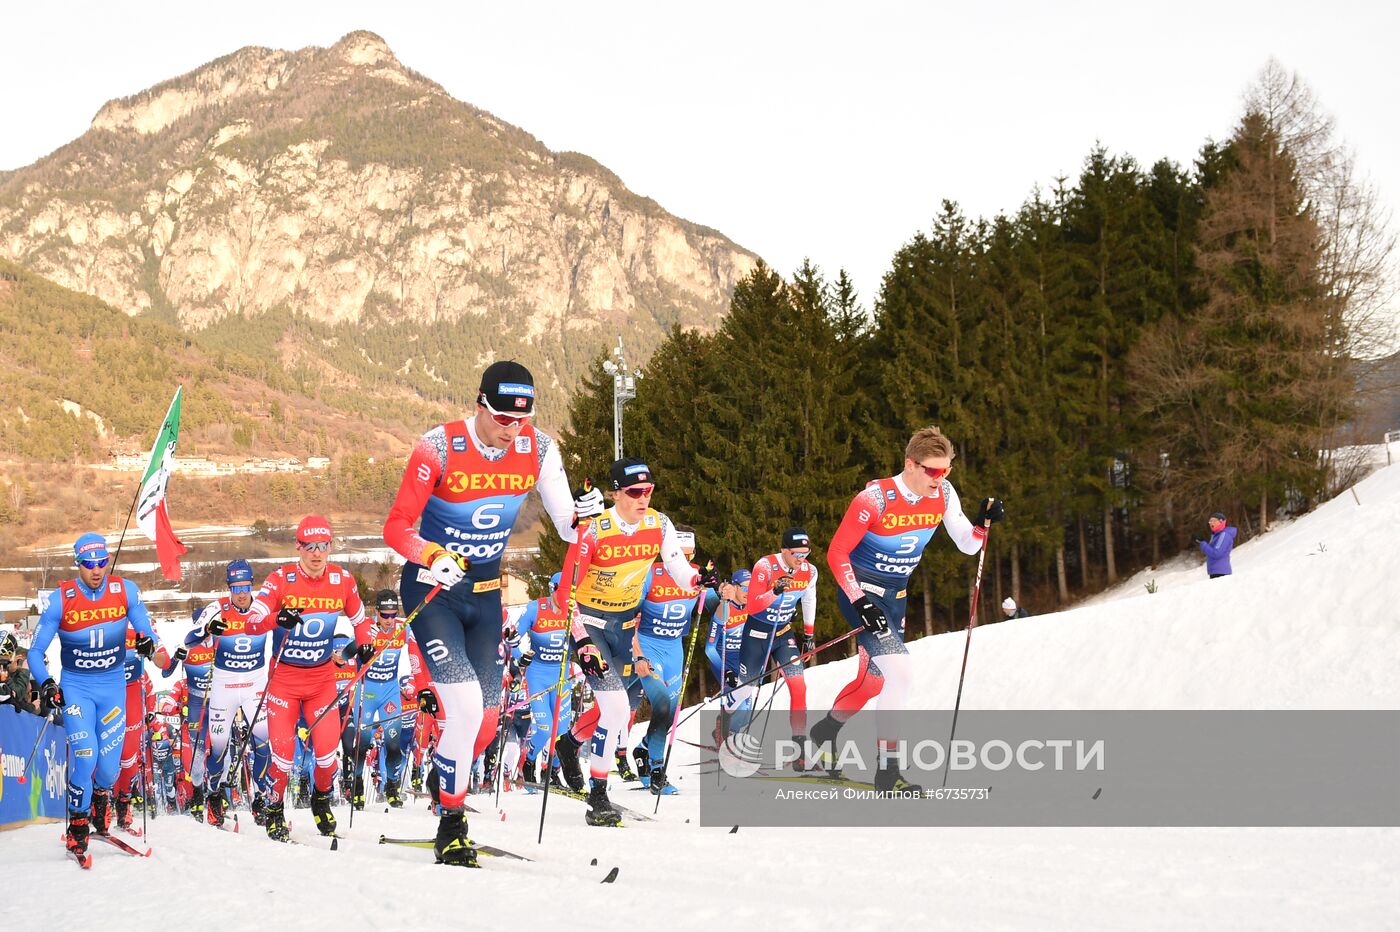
<point x="416" y="782"/>
<point x="217" y="804"/>
<point x="76" y="838"/>
<point x="823" y="744"/>
<point x="357" y="798"/>
<point x="803" y="763"/>
<point x="527" y="771"/>
<point x="391" y="794"/>
<point x="888" y="778"/>
<point x="124" y="817"/>
<point x="101" y="822"/>
<point x="624" y="766"/>
<point x="660" y="786"/>
<point x="259" y="809"/>
<point x="451" y="844"/>
<point x="566" y="748"/>
<point x="196" y="809"/>
<point x="556" y="779"/>
<point x="275" y="821"/>
<point x="303" y="797"/>
<point x="600" y="808"/>
<point x="321" y="812"/>
<point x="643" y="763"/>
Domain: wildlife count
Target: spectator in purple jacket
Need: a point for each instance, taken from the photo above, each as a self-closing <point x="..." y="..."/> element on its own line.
<point x="1217" y="548"/>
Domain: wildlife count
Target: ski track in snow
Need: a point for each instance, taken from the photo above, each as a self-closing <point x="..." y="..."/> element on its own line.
<point x="1307" y="622"/>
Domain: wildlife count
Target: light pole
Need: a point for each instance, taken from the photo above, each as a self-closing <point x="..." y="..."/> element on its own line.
<point x="624" y="390"/>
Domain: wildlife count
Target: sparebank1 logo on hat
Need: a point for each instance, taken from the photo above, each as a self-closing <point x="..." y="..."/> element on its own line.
<point x="639" y="469"/>
<point x="523" y="393"/>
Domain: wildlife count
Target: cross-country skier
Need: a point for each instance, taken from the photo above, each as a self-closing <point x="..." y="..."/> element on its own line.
<point x="466" y="481"/>
<point x="781" y="582"/>
<point x="658" y="654"/>
<point x="613" y="563"/>
<point x="875" y="550"/>
<point x="729" y="616"/>
<point x="376" y="701"/>
<point x="193" y="695"/>
<point x="544" y="637"/>
<point x="90" y="615"/>
<point x="303" y="601"/>
<point x="237" y="683"/>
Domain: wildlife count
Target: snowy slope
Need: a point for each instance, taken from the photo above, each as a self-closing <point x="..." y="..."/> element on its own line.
<point x="1308" y="621"/>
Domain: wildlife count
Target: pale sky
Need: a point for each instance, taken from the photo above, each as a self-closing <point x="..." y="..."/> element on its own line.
<point x="828" y="130"/>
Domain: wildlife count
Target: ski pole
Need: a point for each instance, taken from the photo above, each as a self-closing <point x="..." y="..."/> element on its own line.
<point x="569" y="608"/>
<point x="754" y="679"/>
<point x="967" y="644"/>
<point x="685" y="672"/>
<point x="145" y="752"/>
<point x="523" y="703"/>
<point x="364" y="668"/>
<point x="43" y="730"/>
<point x="357" y="775"/>
<point x="499" y="775"/>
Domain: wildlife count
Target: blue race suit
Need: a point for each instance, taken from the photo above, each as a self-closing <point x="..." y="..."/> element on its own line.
<point x="91" y="627"/>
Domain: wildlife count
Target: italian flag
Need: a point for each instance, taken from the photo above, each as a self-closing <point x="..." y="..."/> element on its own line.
<point x="151" y="515"/>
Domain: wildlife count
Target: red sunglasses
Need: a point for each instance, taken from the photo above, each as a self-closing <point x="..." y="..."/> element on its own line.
<point x="935" y="472"/>
<point x="638" y="491"/>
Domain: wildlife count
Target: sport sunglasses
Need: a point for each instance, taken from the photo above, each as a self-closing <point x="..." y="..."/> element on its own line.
<point x="315" y="546"/>
<point x="935" y="472"/>
<point x="638" y="491"/>
<point x="504" y="419"/>
<point x="94" y="564"/>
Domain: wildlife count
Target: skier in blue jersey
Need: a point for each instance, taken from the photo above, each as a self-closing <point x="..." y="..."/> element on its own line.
<point x="728" y="617"/>
<point x="90" y="615"/>
<point x="376" y="702"/>
<point x="544" y="633"/>
<point x="658" y="655"/>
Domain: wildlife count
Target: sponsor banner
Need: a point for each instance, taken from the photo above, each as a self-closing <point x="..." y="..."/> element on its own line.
<point x="44" y="792"/>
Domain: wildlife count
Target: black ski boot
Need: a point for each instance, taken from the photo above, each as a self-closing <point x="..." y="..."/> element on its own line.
<point x="600" y="808"/>
<point x="556" y="779"/>
<point x="567" y="749"/>
<point x="888" y="778"/>
<point x="391" y="794"/>
<point x="275" y="821"/>
<point x="303" y="797"/>
<point x="217" y="804"/>
<point x="321" y="812"/>
<point x="196" y="809"/>
<point x="259" y="809"/>
<point x="101" y="822"/>
<point x="643" y="760"/>
<point x="624" y="766"/>
<point x="124" y="817"/>
<point x="527" y="771"/>
<point x="451" y="844"/>
<point x="76" y="838"/>
<point x="660" y="786"/>
<point x="823" y="744"/>
<point x="416" y="782"/>
<point x="357" y="799"/>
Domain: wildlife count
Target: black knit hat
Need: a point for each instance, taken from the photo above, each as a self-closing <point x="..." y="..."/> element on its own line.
<point x="794" y="538"/>
<point x="387" y="600"/>
<point x="507" y="387"/>
<point x="630" y="471"/>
